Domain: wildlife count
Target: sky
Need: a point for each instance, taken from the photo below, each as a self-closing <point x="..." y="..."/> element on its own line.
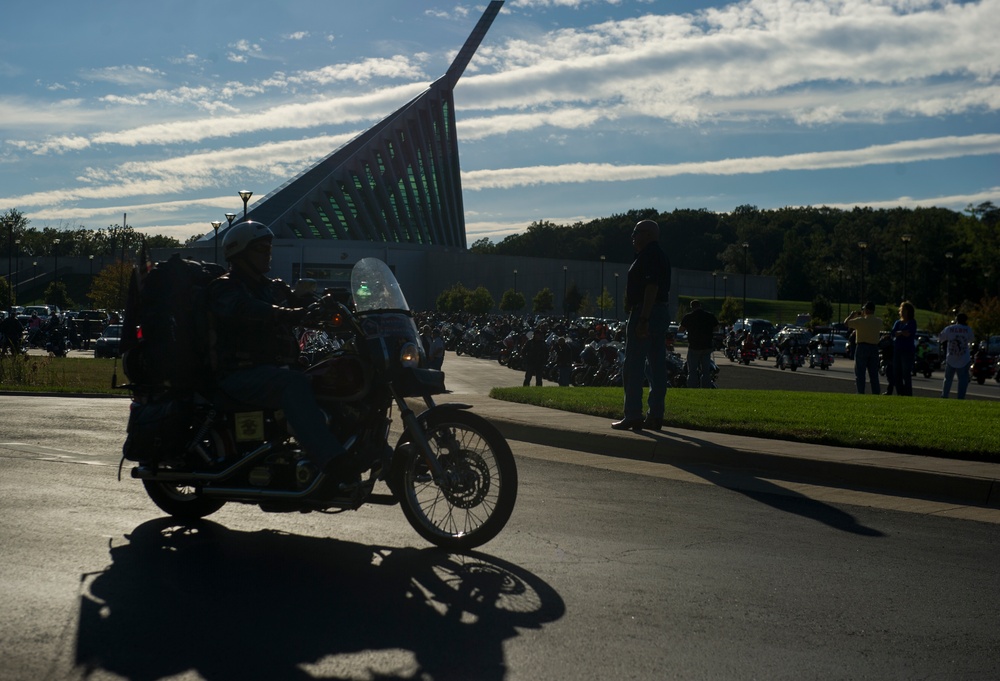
<point x="571" y="109"/>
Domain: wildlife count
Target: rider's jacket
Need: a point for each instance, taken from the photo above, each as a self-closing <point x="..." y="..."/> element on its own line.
<point x="250" y="324"/>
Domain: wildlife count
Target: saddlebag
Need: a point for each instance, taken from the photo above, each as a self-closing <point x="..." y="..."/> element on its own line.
<point x="157" y="430"/>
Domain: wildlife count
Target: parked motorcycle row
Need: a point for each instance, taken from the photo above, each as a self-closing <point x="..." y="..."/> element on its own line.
<point x="56" y="335"/>
<point x="55" y="340"/>
<point x="597" y="347"/>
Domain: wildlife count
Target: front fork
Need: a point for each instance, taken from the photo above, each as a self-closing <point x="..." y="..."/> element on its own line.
<point x="412" y="424"/>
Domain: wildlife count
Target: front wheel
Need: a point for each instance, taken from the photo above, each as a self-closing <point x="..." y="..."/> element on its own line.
<point x="474" y="499"/>
<point x="181" y="501"/>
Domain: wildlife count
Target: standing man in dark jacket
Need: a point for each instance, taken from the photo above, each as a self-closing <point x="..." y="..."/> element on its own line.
<point x="699" y="324"/>
<point x="646" y="295"/>
<point x="536" y="356"/>
<point x="255" y="347"/>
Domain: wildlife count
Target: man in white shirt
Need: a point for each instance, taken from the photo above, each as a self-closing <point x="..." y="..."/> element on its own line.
<point x="956" y="341"/>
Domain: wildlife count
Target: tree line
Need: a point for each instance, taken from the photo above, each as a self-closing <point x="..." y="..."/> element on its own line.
<point x="937" y="257"/>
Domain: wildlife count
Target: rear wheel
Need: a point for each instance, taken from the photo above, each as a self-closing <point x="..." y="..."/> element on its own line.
<point x="181" y="501"/>
<point x="474" y="499"/>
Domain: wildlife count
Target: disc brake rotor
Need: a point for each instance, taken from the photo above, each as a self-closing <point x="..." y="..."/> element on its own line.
<point x="467" y="479"/>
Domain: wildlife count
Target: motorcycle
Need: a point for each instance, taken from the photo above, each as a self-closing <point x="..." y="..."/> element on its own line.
<point x="790" y="359"/>
<point x="56" y="343"/>
<point x="677" y="371"/>
<point x="821" y="357"/>
<point x="982" y="368"/>
<point x="451" y="471"/>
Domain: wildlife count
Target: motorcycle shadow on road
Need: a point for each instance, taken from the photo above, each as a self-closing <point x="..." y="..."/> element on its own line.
<point x="228" y="604"/>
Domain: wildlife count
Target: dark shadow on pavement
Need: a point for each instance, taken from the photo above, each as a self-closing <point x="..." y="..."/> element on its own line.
<point x="266" y="605"/>
<point x="762" y="490"/>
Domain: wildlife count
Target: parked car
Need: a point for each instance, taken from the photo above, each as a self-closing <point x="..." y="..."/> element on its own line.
<point x="90" y="323"/>
<point x="757" y="327"/>
<point x="109" y="343"/>
<point x="993" y="346"/>
<point x="43" y="311"/>
<point x="675" y="329"/>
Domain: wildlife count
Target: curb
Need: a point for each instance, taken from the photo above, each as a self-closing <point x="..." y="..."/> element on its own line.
<point x="909" y="482"/>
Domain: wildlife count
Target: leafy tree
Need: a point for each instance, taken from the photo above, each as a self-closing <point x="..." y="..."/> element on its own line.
<point x="109" y="289"/>
<point x="822" y="309"/>
<point x="483" y="245"/>
<point x="161" y="241"/>
<point x="605" y="302"/>
<point x="574" y="299"/>
<point x="732" y="309"/>
<point x="5" y="291"/>
<point x="984" y="318"/>
<point x="55" y="294"/>
<point x="453" y="299"/>
<point x="544" y="301"/>
<point x="479" y="301"/>
<point x="512" y="301"/>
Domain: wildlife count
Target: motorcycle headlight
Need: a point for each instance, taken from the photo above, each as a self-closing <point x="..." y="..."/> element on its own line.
<point x="409" y="356"/>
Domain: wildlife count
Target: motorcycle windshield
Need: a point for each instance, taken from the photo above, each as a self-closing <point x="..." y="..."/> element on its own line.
<point x="375" y="288"/>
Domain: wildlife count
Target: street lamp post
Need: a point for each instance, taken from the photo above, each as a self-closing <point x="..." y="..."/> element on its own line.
<point x="91" y="259"/>
<point x="602" y="287"/>
<point x="10" y="264"/>
<point x="947" y="280"/>
<point x="55" y="253"/>
<point x="616" y="296"/>
<point x="245" y="195"/>
<point x="725" y="286"/>
<point x="714" y="275"/>
<point x="565" y="289"/>
<point x="906" y="247"/>
<point x="215" y="225"/>
<point x="746" y="248"/>
<point x="515" y="282"/>
<point x="17" y="265"/>
<point x="840" y="292"/>
<point x="862" y="247"/>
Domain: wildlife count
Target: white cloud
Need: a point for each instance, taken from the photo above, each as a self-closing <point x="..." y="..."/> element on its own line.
<point x="814" y="64"/>
<point x="901" y="152"/>
<point x="243" y="50"/>
<point x="127" y="76"/>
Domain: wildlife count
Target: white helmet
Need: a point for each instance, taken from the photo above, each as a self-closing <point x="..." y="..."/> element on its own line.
<point x="241" y="235"/>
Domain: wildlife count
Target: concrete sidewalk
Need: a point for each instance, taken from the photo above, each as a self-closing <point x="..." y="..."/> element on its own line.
<point x="966" y="482"/>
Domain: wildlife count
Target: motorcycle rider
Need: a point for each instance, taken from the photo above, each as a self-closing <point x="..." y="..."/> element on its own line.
<point x="11" y="334"/>
<point x="791" y="347"/>
<point x="255" y="347"/>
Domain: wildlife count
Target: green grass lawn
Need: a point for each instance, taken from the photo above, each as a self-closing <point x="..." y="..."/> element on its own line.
<point x="964" y="429"/>
<point x="60" y="375"/>
<point x="947" y="428"/>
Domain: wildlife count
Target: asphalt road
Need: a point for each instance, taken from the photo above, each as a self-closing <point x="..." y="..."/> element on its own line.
<point x="609" y="569"/>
